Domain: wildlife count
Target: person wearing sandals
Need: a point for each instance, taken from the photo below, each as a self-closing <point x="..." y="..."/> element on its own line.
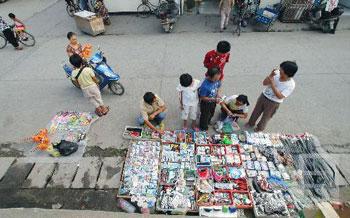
<point x="188" y="96"/>
<point x="84" y="77"/>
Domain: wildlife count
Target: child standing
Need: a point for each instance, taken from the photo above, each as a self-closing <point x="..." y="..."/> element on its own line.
<point x="188" y="95"/>
<point x="209" y="97"/>
<point x="19" y="25"/>
<point x="219" y="57"/>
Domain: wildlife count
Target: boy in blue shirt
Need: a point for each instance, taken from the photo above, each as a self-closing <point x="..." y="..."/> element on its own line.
<point x="209" y="97"/>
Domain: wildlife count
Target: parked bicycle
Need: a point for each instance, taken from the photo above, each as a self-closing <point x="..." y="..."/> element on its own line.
<point x="22" y="37"/>
<point x="72" y="6"/>
<point x="244" y="12"/>
<point x="146" y="8"/>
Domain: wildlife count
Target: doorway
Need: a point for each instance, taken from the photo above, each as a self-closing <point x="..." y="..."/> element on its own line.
<point x="201" y="7"/>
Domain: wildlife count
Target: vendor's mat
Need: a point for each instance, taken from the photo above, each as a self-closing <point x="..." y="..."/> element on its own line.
<point x="65" y="125"/>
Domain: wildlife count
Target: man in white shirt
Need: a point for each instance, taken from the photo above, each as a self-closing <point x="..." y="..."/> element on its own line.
<point x="280" y="84"/>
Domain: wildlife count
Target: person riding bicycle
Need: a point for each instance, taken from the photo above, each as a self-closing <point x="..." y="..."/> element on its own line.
<point x="8" y="33"/>
<point x="19" y="26"/>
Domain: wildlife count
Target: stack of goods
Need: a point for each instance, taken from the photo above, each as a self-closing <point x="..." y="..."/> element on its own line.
<point x="65" y="134"/>
<point x="269" y="165"/>
<point x="140" y="176"/>
<point x="270" y="204"/>
<point x="178" y="174"/>
<point x="318" y="176"/>
<point x="138" y="133"/>
<point x="221" y="181"/>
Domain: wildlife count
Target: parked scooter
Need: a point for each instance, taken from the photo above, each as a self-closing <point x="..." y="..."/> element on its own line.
<point x="103" y="72"/>
<point x="327" y="21"/>
<point x="168" y="15"/>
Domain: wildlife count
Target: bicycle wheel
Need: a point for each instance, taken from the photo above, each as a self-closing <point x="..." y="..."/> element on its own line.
<point x="3" y="41"/>
<point x="70" y="10"/>
<point x="143" y="11"/>
<point x="26" y="39"/>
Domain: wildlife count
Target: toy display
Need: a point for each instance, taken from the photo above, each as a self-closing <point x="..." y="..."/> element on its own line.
<point x="138" y="133"/>
<point x="140" y="175"/>
<point x="215" y="176"/>
<point x="270" y="204"/>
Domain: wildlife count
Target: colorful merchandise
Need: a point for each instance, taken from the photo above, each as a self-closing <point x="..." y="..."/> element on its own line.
<point x="140" y="175"/>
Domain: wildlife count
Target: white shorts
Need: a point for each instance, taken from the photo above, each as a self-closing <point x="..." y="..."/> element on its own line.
<point x="189" y="110"/>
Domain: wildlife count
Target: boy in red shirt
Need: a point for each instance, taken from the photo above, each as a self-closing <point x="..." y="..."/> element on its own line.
<point x="218" y="58"/>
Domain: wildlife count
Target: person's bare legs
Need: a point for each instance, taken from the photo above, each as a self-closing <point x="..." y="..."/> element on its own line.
<point x="185" y="124"/>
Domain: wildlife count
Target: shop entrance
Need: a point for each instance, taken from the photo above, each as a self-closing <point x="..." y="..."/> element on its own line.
<point x="201" y="6"/>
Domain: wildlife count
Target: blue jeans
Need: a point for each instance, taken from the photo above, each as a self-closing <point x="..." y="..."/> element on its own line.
<point x="158" y="119"/>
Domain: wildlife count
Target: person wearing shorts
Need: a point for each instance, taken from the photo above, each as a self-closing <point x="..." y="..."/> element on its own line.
<point x="188" y="96"/>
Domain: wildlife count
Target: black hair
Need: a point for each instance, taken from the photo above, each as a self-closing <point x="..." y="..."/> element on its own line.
<point x="213" y="71"/>
<point x="223" y="47"/>
<point x="243" y="99"/>
<point x="149" y="97"/>
<point x="289" y="67"/>
<point x="11" y="15"/>
<point x="186" y="80"/>
<point x="70" y="34"/>
<point x="76" y="60"/>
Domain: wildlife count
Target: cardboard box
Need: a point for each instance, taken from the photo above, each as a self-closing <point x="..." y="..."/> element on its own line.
<point x="89" y="23"/>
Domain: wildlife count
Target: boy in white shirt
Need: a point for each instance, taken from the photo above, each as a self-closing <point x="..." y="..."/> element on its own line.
<point x="279" y="85"/>
<point x="188" y="96"/>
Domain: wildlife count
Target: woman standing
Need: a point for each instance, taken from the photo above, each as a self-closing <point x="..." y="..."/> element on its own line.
<point x="102" y="11"/>
<point x="225" y="7"/>
<point x="9" y="34"/>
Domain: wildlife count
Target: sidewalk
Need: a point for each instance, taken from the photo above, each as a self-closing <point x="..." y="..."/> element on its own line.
<point x="131" y="24"/>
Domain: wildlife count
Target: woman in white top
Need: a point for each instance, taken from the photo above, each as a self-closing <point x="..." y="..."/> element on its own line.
<point x="279" y="85"/>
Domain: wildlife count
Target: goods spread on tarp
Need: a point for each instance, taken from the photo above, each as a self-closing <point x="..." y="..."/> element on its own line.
<point x="182" y="172"/>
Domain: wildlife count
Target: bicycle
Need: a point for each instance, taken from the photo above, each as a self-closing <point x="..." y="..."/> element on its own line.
<point x="245" y="13"/>
<point x="146" y="8"/>
<point x="22" y="37"/>
<point x="72" y="7"/>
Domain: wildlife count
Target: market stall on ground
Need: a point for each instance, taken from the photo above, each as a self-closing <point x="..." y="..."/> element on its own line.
<point x="224" y="175"/>
<point x="64" y="139"/>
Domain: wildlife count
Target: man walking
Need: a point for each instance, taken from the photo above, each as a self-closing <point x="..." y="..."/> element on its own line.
<point x="280" y="84"/>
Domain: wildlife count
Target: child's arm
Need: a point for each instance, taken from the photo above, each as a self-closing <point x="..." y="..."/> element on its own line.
<point x="180" y="98"/>
<point x="223" y="105"/>
<point x="267" y="80"/>
<point x="19" y="21"/>
<point x="206" y="60"/>
<point x="207" y="99"/>
<point x="277" y="92"/>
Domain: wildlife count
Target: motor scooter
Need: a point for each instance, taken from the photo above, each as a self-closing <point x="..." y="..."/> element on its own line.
<point x="168" y="15"/>
<point x="325" y="20"/>
<point x="103" y="72"/>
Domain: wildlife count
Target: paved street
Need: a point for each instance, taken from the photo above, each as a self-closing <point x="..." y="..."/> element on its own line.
<point x="33" y="86"/>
